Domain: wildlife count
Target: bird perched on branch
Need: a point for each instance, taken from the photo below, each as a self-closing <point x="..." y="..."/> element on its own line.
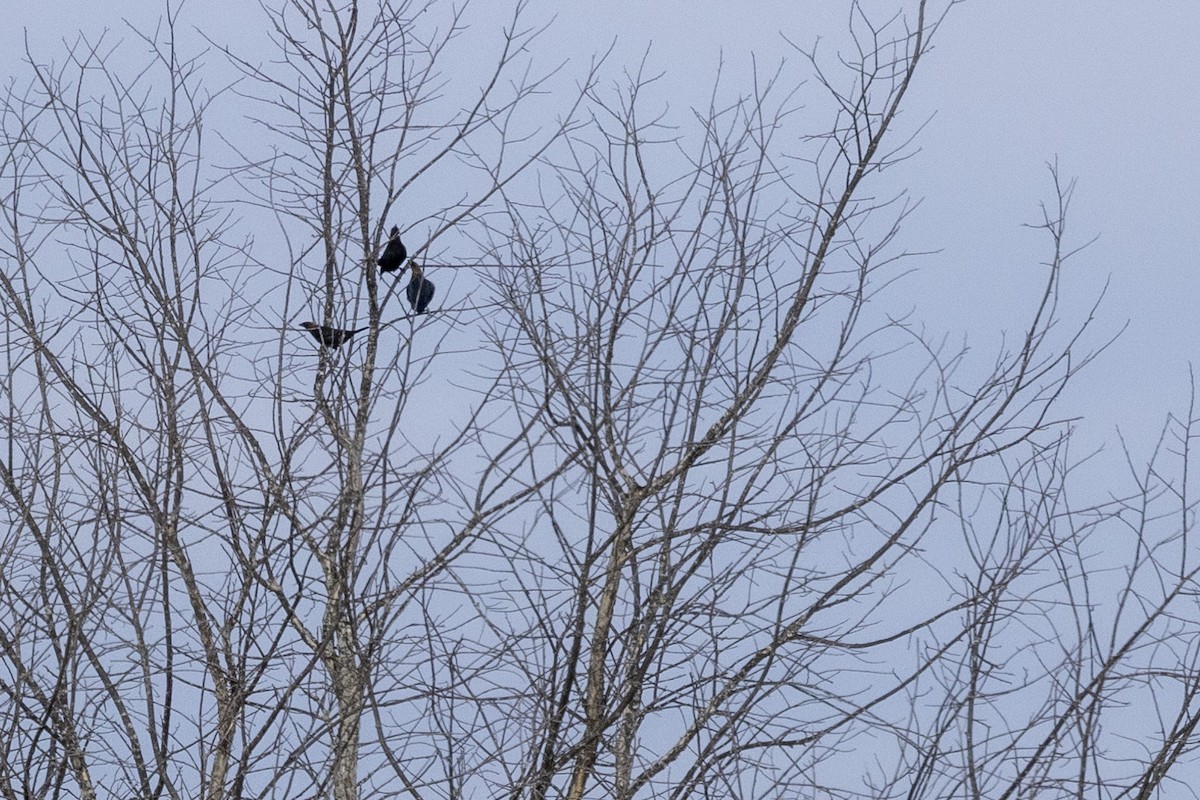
<point x="420" y="289"/>
<point x="392" y="257"/>
<point x="328" y="336"/>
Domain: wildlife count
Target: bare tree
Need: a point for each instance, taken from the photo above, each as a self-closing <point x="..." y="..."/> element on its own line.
<point x="221" y="530"/>
<point x="664" y="498"/>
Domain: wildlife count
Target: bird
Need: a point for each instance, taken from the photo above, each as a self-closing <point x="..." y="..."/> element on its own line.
<point x="420" y="289"/>
<point x="328" y="336"/>
<point x="394" y="254"/>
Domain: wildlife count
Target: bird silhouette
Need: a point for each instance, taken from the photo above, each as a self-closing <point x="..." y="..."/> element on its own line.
<point x="392" y="257"/>
<point x="420" y="289"/>
<point x="328" y="336"/>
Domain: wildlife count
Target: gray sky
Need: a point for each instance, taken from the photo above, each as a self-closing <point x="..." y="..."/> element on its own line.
<point x="1106" y="88"/>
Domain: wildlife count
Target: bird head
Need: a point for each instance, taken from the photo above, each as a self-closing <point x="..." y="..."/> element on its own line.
<point x="395" y="234"/>
<point x="308" y="326"/>
<point x="416" y="268"/>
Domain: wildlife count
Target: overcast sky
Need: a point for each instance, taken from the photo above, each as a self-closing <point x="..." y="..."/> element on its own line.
<point x="1106" y="88"/>
<point x="1109" y="89"/>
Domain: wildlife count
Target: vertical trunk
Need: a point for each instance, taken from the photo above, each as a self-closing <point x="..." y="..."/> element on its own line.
<point x="348" y="689"/>
<point x="596" y="684"/>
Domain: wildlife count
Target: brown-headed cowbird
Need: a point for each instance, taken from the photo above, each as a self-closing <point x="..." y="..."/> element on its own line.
<point x="327" y="336"/>
<point x="394" y="254"/>
<point x="420" y="289"/>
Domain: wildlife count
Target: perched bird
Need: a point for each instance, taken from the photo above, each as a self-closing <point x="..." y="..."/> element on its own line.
<point x="327" y="336"/>
<point x="394" y="254"/>
<point x="420" y="289"/>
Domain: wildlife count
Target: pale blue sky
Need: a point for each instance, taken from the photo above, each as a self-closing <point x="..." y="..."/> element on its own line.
<point x="1106" y="88"/>
<point x="1109" y="89"/>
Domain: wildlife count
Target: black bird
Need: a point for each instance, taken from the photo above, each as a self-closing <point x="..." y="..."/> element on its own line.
<point x="394" y="254"/>
<point x="327" y="336"/>
<point x="420" y="289"/>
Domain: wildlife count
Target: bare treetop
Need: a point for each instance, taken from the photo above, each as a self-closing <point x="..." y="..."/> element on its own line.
<point x="661" y="494"/>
